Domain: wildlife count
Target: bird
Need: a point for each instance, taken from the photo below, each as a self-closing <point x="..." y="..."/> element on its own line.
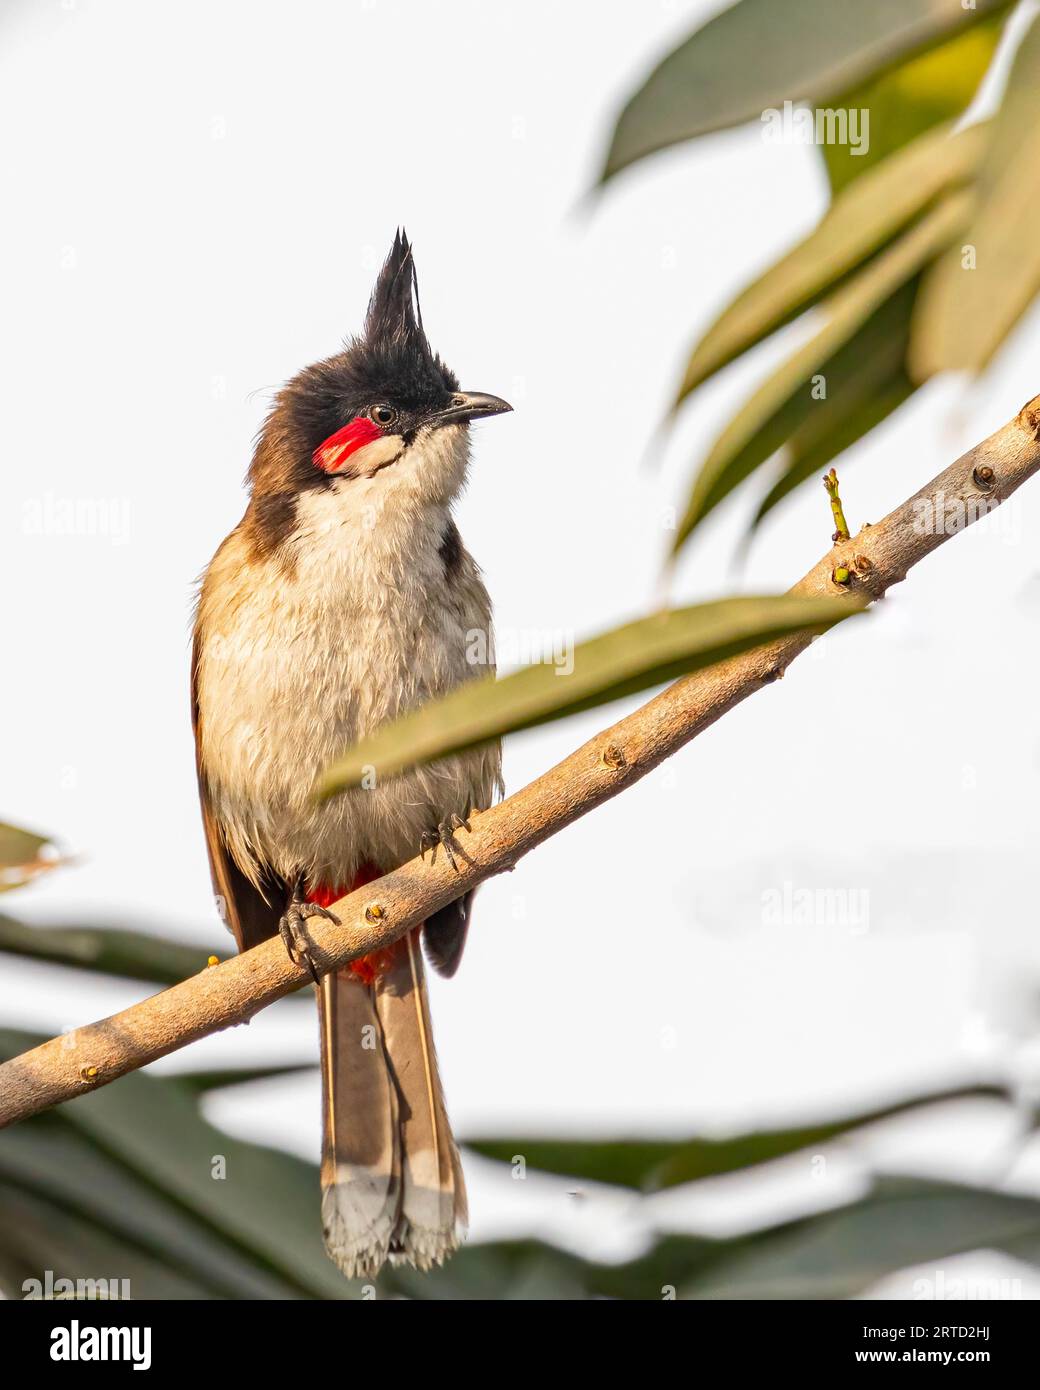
<point x="343" y="599"/>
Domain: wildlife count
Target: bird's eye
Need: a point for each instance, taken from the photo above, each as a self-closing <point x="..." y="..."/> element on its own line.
<point x="383" y="414"/>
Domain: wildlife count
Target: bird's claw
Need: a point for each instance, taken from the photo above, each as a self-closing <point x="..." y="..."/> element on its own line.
<point x="292" y="930"/>
<point x="444" y="835"/>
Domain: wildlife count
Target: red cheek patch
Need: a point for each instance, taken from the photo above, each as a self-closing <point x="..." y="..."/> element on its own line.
<point x="333" y="453"/>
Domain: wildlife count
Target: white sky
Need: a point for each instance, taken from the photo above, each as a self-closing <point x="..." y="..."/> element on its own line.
<point x="197" y="199"/>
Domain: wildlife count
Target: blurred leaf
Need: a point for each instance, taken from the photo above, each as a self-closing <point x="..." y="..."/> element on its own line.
<point x="510" y="1269"/>
<point x="866" y="382"/>
<point x="201" y="1082"/>
<point x="36" y="1236"/>
<point x="862" y="382"/>
<point x="810" y="451"/>
<point x="964" y="313"/>
<point x="669" y="1263"/>
<point x="652" y="1164"/>
<point x="620" y="1162"/>
<point x="120" y="1184"/>
<point x="904" y="1222"/>
<point x="269" y="1203"/>
<point x="22" y="857"/>
<point x="835" y="1254"/>
<point x="757" y="54"/>
<point x="119" y="1195"/>
<point x="859" y="222"/>
<point x="621" y="662"/>
<point x="135" y="955"/>
<point x="265" y="1207"/>
<point x="934" y="87"/>
<point x="18" y="846"/>
<point x="531" y="1269"/>
<point x="766" y="421"/>
<point x="47" y="1159"/>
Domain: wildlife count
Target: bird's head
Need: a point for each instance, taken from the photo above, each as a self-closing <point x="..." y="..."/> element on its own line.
<point x="385" y="408"/>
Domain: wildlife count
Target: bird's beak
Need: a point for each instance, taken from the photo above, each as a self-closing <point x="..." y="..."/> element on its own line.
<point x="470" y="405"/>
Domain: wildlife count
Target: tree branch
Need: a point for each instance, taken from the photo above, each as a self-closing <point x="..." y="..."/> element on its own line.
<point x="377" y="915"/>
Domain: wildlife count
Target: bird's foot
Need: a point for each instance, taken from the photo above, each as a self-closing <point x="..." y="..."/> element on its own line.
<point x="445" y="835"/>
<point x="293" y="932"/>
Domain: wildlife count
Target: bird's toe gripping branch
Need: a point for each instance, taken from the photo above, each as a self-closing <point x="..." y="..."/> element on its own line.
<point x="368" y="969"/>
<point x="292" y="930"/>
<point x="445" y="835"/>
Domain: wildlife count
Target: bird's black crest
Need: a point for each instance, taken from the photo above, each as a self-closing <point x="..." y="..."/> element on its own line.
<point x="394" y="318"/>
<point x="392" y="358"/>
<point x="389" y="361"/>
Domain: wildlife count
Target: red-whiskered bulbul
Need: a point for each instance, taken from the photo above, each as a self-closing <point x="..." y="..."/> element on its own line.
<point x="343" y="598"/>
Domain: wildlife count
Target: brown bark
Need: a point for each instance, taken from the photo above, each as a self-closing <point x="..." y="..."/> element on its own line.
<point x="375" y="916"/>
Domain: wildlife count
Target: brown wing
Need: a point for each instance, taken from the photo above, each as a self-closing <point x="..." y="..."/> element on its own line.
<point x="242" y="907"/>
<point x="444" y="933"/>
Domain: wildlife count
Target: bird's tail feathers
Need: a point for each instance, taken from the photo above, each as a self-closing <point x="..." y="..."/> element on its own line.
<point x="392" y="1184"/>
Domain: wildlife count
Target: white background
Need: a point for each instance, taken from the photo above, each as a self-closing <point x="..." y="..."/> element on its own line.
<point x="197" y="198"/>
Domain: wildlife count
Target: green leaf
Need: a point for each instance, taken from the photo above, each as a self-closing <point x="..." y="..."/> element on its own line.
<point x="904" y="1222"/>
<point x="619" y="1162"/>
<point x="836" y="1254"/>
<point x="262" y="1203"/>
<point x="810" y="451"/>
<point x="866" y="382"/>
<point x="758" y="54"/>
<point x="934" y="87"/>
<point x="267" y="1204"/>
<point x="119" y="1194"/>
<point x="202" y="1082"/>
<point x="532" y="1269"/>
<point x="862" y="220"/>
<point x="135" y="955"/>
<point x="621" y="662"/>
<point x="652" y="1164"/>
<point x="47" y="1159"/>
<point x="965" y="313"/>
<point x="784" y="400"/>
<point x="670" y="1262"/>
<point x="22" y="857"/>
<point x="510" y="1270"/>
<point x="36" y="1236"/>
